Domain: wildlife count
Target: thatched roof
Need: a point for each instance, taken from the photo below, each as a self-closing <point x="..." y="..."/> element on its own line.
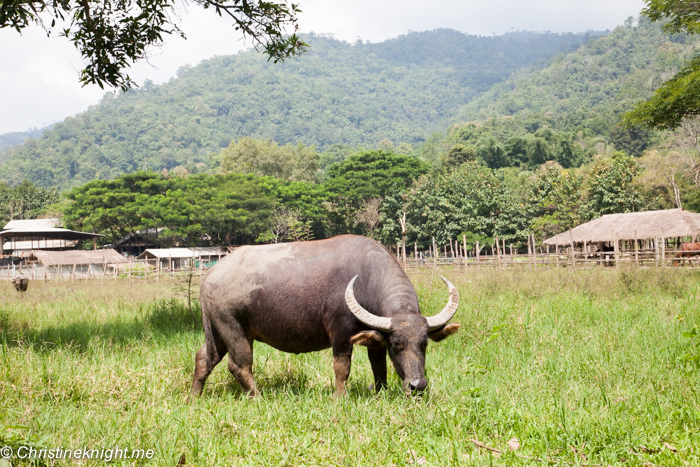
<point x="53" y="258"/>
<point x="631" y="225"/>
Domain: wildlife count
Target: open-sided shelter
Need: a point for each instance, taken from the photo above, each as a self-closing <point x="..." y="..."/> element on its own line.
<point x="181" y="258"/>
<point x="641" y="226"/>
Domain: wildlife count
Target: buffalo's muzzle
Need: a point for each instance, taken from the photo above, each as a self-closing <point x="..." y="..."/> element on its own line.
<point x="417" y="385"/>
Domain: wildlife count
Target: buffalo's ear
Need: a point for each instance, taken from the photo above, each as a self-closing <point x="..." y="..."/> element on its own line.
<point x="443" y="332"/>
<point x="368" y="338"/>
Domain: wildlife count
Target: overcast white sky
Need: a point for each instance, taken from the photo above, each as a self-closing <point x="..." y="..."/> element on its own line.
<point x="39" y="75"/>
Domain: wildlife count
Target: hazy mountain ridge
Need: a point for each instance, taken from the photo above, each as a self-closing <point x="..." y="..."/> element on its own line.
<point x="358" y="94"/>
<point x="15" y="138"/>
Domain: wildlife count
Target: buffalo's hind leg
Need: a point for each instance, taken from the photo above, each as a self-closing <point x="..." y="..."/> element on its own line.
<point x="240" y="364"/>
<point x="207" y="357"/>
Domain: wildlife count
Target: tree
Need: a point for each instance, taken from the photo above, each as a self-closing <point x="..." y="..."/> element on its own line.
<point x="610" y="187"/>
<point x="459" y="155"/>
<point x="555" y="200"/>
<point x="367" y="175"/>
<point x="221" y="209"/>
<point x="266" y="157"/>
<point x="369" y="216"/>
<point x="472" y="198"/>
<point x="663" y="176"/>
<point x="679" y="97"/>
<point x="24" y="201"/>
<point x="111" y="35"/>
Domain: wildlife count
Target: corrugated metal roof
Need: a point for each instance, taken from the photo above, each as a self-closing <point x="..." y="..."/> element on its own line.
<point x="32" y="224"/>
<point x="631" y="225"/>
<point x="182" y="252"/>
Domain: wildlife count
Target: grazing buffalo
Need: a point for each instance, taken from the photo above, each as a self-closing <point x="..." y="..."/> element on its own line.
<point x="309" y="296"/>
<point x="21" y="283"/>
<point x="687" y="250"/>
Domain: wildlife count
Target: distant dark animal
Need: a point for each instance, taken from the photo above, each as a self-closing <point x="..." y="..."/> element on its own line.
<point x="687" y="250"/>
<point x="21" y="283"/>
<point x="309" y="296"/>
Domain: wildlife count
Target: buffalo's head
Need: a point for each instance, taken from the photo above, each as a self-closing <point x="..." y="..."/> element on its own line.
<point x="405" y="335"/>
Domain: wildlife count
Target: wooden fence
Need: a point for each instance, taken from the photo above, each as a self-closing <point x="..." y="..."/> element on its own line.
<point x="569" y="257"/>
<point x="131" y="271"/>
<point x="143" y="271"/>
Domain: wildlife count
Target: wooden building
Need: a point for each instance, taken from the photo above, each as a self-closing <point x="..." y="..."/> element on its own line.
<point x="19" y="237"/>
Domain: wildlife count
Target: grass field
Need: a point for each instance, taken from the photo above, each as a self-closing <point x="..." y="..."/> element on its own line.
<point x="582" y="367"/>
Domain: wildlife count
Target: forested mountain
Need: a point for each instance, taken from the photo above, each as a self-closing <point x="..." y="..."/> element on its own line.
<point x="356" y="94"/>
<point x="590" y="87"/>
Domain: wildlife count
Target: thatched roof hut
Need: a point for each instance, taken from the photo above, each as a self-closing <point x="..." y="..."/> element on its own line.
<point x="55" y="258"/>
<point x="632" y="225"/>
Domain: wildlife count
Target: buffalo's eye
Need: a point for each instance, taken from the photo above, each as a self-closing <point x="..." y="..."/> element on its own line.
<point x="397" y="345"/>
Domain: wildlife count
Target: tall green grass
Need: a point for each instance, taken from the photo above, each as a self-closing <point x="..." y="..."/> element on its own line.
<point x="582" y="367"/>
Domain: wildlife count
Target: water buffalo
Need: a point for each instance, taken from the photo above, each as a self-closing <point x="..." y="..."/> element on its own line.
<point x="21" y="283"/>
<point x="687" y="250"/>
<point x="309" y="296"/>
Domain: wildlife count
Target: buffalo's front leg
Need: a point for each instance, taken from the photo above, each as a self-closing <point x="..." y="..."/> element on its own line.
<point x="377" y="358"/>
<point x="342" y="359"/>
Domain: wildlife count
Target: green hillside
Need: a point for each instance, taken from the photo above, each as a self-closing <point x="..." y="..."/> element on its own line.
<point x="590" y="87"/>
<point x="356" y="94"/>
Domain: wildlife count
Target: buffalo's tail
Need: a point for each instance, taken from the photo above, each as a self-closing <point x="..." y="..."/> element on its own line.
<point x="212" y="352"/>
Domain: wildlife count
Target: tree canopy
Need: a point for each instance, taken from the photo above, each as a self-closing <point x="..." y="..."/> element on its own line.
<point x="113" y="34"/>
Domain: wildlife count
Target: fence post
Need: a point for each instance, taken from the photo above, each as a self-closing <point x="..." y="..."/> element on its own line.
<point x="663" y="252"/>
<point x="573" y="250"/>
<point x="72" y="277"/>
<point x="129" y="273"/>
<point x="464" y="252"/>
<point x="503" y="250"/>
<point x="656" y="251"/>
<point x="636" y="249"/>
<point x="617" y="249"/>
<point x="498" y="252"/>
<point x="478" y="254"/>
<point x="434" y="254"/>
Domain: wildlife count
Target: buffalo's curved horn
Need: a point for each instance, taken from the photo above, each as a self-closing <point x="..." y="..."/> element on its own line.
<point x="442" y="318"/>
<point x="373" y="321"/>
